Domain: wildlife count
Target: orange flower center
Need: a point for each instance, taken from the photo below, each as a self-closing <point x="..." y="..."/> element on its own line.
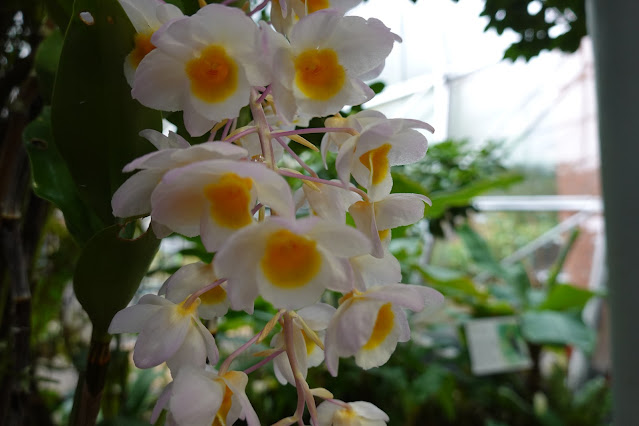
<point x="213" y="75"/>
<point x="318" y="74"/>
<point x="290" y="260"/>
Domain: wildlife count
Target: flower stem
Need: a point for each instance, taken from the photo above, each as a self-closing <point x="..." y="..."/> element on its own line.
<point x="263" y="130"/>
<point x="296" y="157"/>
<point x="193" y="297"/>
<point x="264" y="94"/>
<point x="316" y="130"/>
<point x="227" y="362"/>
<point x="263" y="362"/>
<point x="324" y="181"/>
<point x="227" y="127"/>
<point x="239" y="135"/>
<point x="259" y="7"/>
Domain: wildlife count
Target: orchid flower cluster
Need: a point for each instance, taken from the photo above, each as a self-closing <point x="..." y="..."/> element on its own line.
<point x="287" y="247"/>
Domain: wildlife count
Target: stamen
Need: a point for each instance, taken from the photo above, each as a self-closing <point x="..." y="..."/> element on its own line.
<point x="217" y="127"/>
<point x="300" y="140"/>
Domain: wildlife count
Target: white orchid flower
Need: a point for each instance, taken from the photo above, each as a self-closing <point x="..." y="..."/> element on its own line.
<point x="133" y="197"/>
<point x="147" y="16"/>
<point x="203" y="65"/>
<point x="215" y="198"/>
<point x="376" y="218"/>
<point x="200" y="397"/>
<point x="328" y="58"/>
<point x="359" y="413"/>
<point x="307" y="352"/>
<point x="369" y="325"/>
<point x="370" y="155"/>
<point x="191" y="278"/>
<point x="169" y="332"/>
<point x="289" y="263"/>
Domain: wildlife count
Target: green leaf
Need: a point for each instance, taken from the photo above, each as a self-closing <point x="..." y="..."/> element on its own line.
<point x="561" y="259"/>
<point x="550" y="327"/>
<point x="565" y="296"/>
<point x="95" y="120"/>
<point x="60" y="11"/>
<point x="46" y="63"/>
<point x="480" y="252"/>
<point x="52" y="181"/>
<point x="444" y="279"/>
<point x="443" y="200"/>
<point x="109" y="272"/>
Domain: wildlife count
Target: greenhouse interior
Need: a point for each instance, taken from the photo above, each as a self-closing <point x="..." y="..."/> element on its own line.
<point x="318" y="212"/>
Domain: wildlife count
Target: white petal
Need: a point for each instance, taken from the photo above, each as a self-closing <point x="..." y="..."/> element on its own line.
<point x="238" y="261"/>
<point x="340" y="240"/>
<point x="371" y="271"/>
<point x="196" y="398"/>
<point x="209" y="342"/>
<point x="160" y="338"/>
<point x="187" y="280"/>
<point x="378" y="355"/>
<point x="191" y="352"/>
<point x="160" y="142"/>
<point x="236" y="381"/>
<point x="178" y="201"/>
<point x="133" y="198"/>
<point x="195" y="122"/>
<point x="159" y="82"/>
<point x="408" y="147"/>
<point x="368" y="411"/>
<point x="325" y="412"/>
<point x="162" y="402"/>
<point x="364" y="217"/>
<point x="142" y="14"/>
<point x="399" y="210"/>
<point x="317" y="316"/>
<point x="355" y="325"/>
<point x="132" y="319"/>
<point x="312" y="31"/>
<point x="413" y="297"/>
<point x="362" y="45"/>
<point x="345" y="159"/>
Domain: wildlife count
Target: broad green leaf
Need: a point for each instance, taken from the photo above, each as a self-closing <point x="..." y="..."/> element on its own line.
<point x="561" y="259"/>
<point x="444" y="279"/>
<point x="565" y="296"/>
<point x="443" y="200"/>
<point x="480" y="252"/>
<point x="52" y="180"/>
<point x="550" y="327"/>
<point x="95" y="120"/>
<point x="46" y="63"/>
<point x="109" y="272"/>
<point x="60" y="11"/>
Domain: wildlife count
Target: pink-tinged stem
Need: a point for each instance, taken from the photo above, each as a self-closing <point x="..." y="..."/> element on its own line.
<point x="264" y="94"/>
<point x="324" y="182"/>
<point x="338" y="402"/>
<point x="263" y="362"/>
<point x="256" y="208"/>
<point x="259" y="7"/>
<point x="263" y="129"/>
<point x="227" y="362"/>
<point x="290" y="353"/>
<point x="315" y="130"/>
<point x="296" y="157"/>
<point x="227" y="127"/>
<point x="240" y="134"/>
<point x="201" y="291"/>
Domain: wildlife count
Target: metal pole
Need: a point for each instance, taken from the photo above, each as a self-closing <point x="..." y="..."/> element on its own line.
<point x="614" y="27"/>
